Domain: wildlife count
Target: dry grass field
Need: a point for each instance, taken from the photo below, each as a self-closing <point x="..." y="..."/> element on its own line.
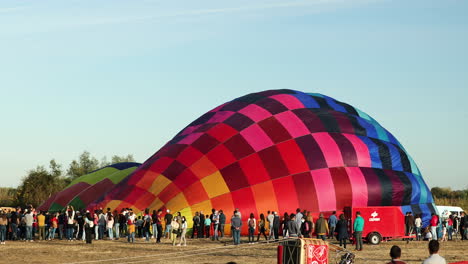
<point x="199" y="251"/>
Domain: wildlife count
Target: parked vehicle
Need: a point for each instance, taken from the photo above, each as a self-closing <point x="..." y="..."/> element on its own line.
<point x="381" y="223"/>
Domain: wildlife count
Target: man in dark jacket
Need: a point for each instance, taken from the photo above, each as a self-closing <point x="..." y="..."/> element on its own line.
<point x="201" y="228"/>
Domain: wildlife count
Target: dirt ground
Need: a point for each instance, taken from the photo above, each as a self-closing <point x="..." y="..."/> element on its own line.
<point x="200" y="251"/>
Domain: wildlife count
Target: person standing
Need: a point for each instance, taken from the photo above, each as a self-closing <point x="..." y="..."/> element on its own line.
<point x="292" y="227"/>
<point x="159" y="226"/>
<point x="236" y="224"/>
<point x="464" y="226"/>
<point x="418" y="225"/>
<point x="89" y="226"/>
<point x="168" y="219"/>
<point x="358" y="228"/>
<point x="321" y="228"/>
<point x="261" y="227"/>
<point x="270" y="218"/>
<point x="62" y="220"/>
<point x="3" y="226"/>
<point x="53" y="226"/>
<point x="434" y="257"/>
<point x="28" y="221"/>
<point x="207" y="226"/>
<point x="342" y="230"/>
<point x="284" y="224"/>
<point x="305" y="228"/>
<point x="154" y="225"/>
<point x="299" y="217"/>
<point x="131" y="227"/>
<point x="196" y="224"/>
<point x="110" y="224"/>
<point x="14" y="221"/>
<point x="147" y="224"/>
<point x="174" y="230"/>
<point x="450" y="227"/>
<point x="183" y="232"/>
<point x="332" y="224"/>
<point x="434" y="223"/>
<point x="222" y="222"/>
<point x="276" y="225"/>
<point x="201" y="230"/>
<point x="116" y="224"/>
<point x="102" y="224"/>
<point x="41" y="225"/>
<point x="215" y="223"/>
<point x="252" y="223"/>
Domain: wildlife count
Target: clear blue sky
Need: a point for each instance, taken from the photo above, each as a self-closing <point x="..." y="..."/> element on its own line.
<point x="123" y="77"/>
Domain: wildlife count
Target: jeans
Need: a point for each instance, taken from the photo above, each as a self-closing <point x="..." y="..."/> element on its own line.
<point x="358" y="237"/>
<point x="52" y="233"/>
<point x="449" y="232"/>
<point x="2" y="233"/>
<point x="434" y="232"/>
<point x="110" y="232"/>
<point x="96" y="232"/>
<point x="251" y="234"/>
<point x="155" y="230"/>
<point x="69" y="233"/>
<point x="332" y="232"/>
<point x="28" y="232"/>
<point x="147" y="232"/>
<point x="14" y="231"/>
<point x="102" y="228"/>
<point x="60" y="229"/>
<point x="215" y="235"/>
<point x="131" y="237"/>
<point x="117" y="230"/>
<point x="221" y="230"/>
<point x="236" y="236"/>
<point x="418" y="233"/>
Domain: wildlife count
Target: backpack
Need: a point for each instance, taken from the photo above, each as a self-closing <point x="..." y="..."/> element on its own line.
<point x="251" y="223"/>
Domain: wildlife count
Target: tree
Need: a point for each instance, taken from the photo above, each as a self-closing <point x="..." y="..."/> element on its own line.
<point x="7" y="196"/>
<point x="118" y="159"/>
<point x="85" y="165"/>
<point x="39" y="184"/>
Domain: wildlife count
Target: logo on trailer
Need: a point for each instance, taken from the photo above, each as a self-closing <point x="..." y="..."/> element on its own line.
<point x="374" y="217"/>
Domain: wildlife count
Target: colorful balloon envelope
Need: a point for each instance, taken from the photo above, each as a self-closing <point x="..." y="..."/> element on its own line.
<point x="88" y="188"/>
<point x="276" y="150"/>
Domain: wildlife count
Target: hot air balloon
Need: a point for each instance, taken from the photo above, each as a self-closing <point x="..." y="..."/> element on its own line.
<point x="276" y="150"/>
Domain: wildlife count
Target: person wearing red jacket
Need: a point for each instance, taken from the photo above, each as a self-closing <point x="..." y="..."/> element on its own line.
<point x="434" y="223"/>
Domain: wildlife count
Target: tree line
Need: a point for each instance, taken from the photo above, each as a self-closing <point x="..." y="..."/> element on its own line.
<point x="447" y="196"/>
<point x="41" y="182"/>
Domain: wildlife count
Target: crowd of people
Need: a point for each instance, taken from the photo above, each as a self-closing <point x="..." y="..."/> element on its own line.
<point x="29" y="225"/>
<point x="439" y="228"/>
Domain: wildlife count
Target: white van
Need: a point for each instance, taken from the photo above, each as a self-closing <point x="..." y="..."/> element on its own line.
<point x="446" y="211"/>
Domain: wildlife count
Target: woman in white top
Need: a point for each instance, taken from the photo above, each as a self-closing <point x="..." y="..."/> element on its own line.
<point x="251" y="223"/>
<point x="184" y="231"/>
<point x="110" y="225"/>
<point x="418" y="224"/>
<point x="70" y="214"/>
